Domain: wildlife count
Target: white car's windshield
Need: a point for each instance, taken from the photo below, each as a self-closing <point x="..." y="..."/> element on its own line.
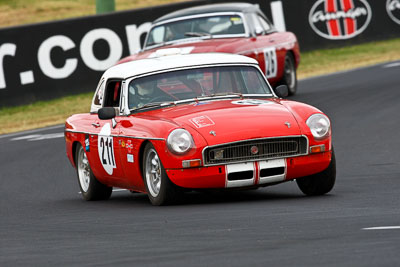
<point x="196" y="83"/>
<point x="196" y="27"/>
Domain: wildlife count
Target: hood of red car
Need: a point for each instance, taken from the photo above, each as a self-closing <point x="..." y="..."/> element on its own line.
<point x="225" y="45"/>
<point x="225" y="121"/>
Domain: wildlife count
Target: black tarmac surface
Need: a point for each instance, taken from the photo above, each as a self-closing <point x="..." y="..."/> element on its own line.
<point x="44" y="221"/>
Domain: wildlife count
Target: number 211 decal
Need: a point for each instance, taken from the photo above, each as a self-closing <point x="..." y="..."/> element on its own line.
<point x="106" y="149"/>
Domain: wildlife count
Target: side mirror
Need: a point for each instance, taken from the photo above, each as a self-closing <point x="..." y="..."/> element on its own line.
<point x="282" y="91"/>
<point x="106" y="113"/>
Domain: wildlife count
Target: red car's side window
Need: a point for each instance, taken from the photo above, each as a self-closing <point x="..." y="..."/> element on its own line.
<point x="112" y="94"/>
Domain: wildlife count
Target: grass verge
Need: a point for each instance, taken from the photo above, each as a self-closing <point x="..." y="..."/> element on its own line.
<point x="325" y="61"/>
<point x="43" y="113"/>
<point x="46" y="113"/>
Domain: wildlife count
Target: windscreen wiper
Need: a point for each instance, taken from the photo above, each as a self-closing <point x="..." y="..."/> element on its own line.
<point x="228" y="94"/>
<point x="152" y="105"/>
<point x="197" y="34"/>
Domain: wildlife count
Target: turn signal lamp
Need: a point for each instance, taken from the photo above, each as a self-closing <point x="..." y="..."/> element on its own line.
<point x="191" y="163"/>
<point x="317" y="149"/>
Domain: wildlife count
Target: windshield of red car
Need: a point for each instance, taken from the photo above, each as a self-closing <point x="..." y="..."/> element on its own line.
<point x="196" y="27"/>
<point x="195" y="83"/>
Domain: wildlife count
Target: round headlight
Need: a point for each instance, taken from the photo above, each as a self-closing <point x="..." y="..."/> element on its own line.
<point x="179" y="141"/>
<point x="319" y="125"/>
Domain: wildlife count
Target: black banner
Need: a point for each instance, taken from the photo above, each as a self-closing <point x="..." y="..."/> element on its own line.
<point x="49" y="60"/>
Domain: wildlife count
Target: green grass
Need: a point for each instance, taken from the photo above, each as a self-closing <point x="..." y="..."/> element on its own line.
<point x="43" y="113"/>
<point x="46" y="113"/>
<point x="331" y="60"/>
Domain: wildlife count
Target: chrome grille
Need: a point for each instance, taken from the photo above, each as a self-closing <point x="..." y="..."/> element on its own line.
<point x="257" y="149"/>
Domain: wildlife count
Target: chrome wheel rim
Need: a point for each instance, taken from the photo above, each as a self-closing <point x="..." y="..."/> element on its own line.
<point x="83" y="170"/>
<point x="289" y="73"/>
<point x="153" y="173"/>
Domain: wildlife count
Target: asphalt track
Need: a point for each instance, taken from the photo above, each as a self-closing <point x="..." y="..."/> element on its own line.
<point x="44" y="221"/>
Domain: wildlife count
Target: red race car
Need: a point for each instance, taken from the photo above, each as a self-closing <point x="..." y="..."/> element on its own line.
<point x="177" y="122"/>
<point x="237" y="28"/>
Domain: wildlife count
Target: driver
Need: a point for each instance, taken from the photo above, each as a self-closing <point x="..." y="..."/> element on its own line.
<point x="142" y="92"/>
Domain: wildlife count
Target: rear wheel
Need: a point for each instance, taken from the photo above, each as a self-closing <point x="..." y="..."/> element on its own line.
<point x="320" y="183"/>
<point x="91" y="188"/>
<point x="160" y="189"/>
<point x="289" y="76"/>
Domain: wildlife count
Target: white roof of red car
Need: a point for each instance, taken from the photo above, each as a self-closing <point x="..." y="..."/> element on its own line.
<point x="149" y="65"/>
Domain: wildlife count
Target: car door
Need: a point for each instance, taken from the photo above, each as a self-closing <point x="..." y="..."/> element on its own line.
<point x="104" y="138"/>
<point x="268" y="46"/>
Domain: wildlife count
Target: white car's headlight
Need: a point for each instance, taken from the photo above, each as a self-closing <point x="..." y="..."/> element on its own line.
<point x="179" y="141"/>
<point x="319" y="125"/>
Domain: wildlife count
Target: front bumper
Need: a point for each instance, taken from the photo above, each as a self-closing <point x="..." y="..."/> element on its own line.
<point x="247" y="174"/>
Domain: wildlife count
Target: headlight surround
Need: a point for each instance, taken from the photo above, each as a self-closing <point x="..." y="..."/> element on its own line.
<point x="319" y="125"/>
<point x="180" y="141"/>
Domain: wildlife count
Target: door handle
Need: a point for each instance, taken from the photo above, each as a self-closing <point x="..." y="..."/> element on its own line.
<point x="96" y="124"/>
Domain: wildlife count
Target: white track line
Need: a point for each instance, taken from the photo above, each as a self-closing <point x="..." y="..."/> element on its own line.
<point x="32" y="131"/>
<point x="391" y="65"/>
<point x="38" y="137"/>
<point x="382" y="228"/>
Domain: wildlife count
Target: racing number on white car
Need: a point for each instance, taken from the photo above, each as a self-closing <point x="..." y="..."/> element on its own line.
<point x="270" y="62"/>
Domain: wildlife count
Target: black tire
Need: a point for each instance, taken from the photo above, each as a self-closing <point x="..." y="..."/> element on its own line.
<point x="289" y="75"/>
<point x="91" y="188"/>
<point x="320" y="183"/>
<point x="160" y="190"/>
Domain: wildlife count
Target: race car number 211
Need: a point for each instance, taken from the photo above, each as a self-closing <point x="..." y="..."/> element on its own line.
<point x="106" y="149"/>
<point x="107" y="152"/>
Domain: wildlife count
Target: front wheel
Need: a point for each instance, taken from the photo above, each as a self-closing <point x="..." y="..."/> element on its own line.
<point x="289" y="76"/>
<point x="91" y="188"/>
<point x="160" y="189"/>
<point x="320" y="183"/>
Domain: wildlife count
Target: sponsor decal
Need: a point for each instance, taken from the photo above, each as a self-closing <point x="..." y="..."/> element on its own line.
<point x="129" y="146"/>
<point x="202" y="121"/>
<point x="129" y="158"/>
<point x="393" y="9"/>
<point x="251" y="102"/>
<point x="106" y="149"/>
<point x="340" y="19"/>
<point x="87" y="143"/>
